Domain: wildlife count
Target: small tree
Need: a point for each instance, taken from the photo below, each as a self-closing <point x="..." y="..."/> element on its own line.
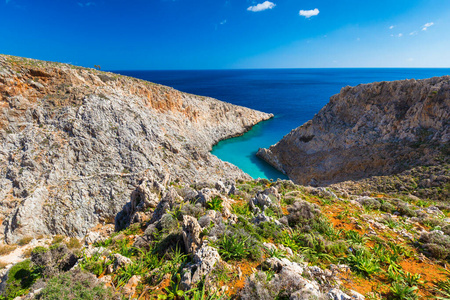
<point x="97" y="67"/>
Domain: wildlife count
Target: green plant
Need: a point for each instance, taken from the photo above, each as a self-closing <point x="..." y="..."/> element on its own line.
<point x="173" y="291"/>
<point x="201" y="295"/>
<point x="232" y="247"/>
<point x="94" y="263"/>
<point x="105" y="243"/>
<point x="288" y="240"/>
<point x="124" y="248"/>
<point x="124" y="274"/>
<point x="402" y="291"/>
<point x="363" y="262"/>
<point x="76" y="285"/>
<point x="275" y="252"/>
<point x="215" y="203"/>
<point x="442" y="289"/>
<point x="354" y="237"/>
<point x="21" y="277"/>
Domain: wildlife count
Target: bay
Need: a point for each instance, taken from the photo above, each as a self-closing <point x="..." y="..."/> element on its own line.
<point x="292" y="95"/>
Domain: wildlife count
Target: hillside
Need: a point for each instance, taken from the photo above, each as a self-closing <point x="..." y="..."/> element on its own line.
<point x="375" y="129"/>
<point x="75" y="142"/>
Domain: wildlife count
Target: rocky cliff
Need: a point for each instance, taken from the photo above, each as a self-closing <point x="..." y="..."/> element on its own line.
<point x="75" y="142"/>
<point x="380" y="128"/>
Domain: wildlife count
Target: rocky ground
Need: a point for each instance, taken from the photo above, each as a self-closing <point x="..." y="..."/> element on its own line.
<point x="375" y="129"/>
<point x="247" y="240"/>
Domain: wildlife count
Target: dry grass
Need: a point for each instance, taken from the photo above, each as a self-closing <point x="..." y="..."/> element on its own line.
<point x="25" y="241"/>
<point x="6" y="249"/>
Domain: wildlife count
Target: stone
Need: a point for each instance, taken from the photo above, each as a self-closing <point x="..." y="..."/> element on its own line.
<point x="191" y="234"/>
<point x="204" y="259"/>
<point x="120" y="261"/>
<point x="92" y="237"/>
<point x="129" y="289"/>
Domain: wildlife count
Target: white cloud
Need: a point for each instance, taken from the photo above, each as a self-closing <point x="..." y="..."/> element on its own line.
<point x="262" y="6"/>
<point x="309" y="13"/>
<point x="391" y="27"/>
<point x="413" y="33"/>
<point x="400" y="35"/>
<point x="425" y="27"/>
<point x="87" y="4"/>
<point x="223" y="22"/>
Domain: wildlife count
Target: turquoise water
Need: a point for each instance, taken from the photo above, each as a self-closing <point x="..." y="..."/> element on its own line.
<point x="241" y="151"/>
<point x="292" y="95"/>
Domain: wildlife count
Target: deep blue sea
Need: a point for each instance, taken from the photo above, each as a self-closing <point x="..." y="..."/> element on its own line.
<point x="292" y="95"/>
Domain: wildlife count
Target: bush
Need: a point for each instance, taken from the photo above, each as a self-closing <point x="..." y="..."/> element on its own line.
<point x="73" y="243"/>
<point x="21" y="277"/>
<point x="301" y="213"/>
<point x="370" y="203"/>
<point x="76" y="285"/>
<point x="53" y="260"/>
<point x="387" y="207"/>
<point x="435" y="244"/>
<point x="25" y="241"/>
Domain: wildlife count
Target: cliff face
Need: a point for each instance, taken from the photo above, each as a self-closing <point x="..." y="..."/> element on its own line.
<point x="372" y="129"/>
<point x="75" y="142"/>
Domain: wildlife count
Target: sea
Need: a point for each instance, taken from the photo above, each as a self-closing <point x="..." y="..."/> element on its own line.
<point x="292" y="95"/>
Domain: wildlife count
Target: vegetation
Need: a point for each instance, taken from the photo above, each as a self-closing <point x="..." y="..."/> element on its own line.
<point x="308" y="226"/>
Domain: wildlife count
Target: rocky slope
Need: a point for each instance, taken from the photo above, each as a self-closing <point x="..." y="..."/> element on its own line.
<point x="75" y="142"/>
<point x="380" y="128"/>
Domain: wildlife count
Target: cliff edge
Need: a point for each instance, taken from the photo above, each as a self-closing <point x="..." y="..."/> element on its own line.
<point x="380" y="128"/>
<point x="75" y="142"/>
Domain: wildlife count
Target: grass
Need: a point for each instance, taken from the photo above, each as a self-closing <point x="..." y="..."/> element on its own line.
<point x="25" y="241"/>
<point x="6" y="249"/>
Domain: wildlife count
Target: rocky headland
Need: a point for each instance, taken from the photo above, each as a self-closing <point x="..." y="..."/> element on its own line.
<point x="75" y="142"/>
<point x="381" y="128"/>
<point x="108" y="191"/>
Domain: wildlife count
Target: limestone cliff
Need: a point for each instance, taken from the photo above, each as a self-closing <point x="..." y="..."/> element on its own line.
<point x="76" y="141"/>
<point x="380" y="128"/>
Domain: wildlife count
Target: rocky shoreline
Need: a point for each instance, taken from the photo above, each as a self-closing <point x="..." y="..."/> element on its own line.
<point x="381" y="128"/>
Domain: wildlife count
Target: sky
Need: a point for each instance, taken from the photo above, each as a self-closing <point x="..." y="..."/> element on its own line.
<point x="228" y="34"/>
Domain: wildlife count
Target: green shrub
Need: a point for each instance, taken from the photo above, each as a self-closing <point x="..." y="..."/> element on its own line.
<point x="76" y="285"/>
<point x="21" y="277"/>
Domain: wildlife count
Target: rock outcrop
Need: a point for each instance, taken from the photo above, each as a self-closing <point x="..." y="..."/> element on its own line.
<point x="372" y="129"/>
<point x="75" y="143"/>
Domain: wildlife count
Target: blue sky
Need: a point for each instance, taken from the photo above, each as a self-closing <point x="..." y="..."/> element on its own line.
<point x="218" y="34"/>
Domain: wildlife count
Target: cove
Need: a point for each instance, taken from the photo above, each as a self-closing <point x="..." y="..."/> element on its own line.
<point x="241" y="151"/>
<point x="292" y="95"/>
